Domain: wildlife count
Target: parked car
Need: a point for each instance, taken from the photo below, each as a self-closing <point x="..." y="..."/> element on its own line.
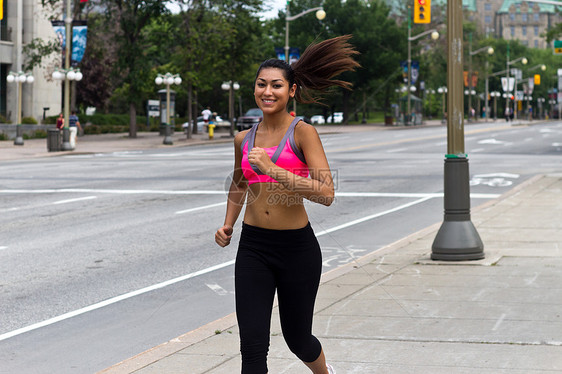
<point x="218" y="121"/>
<point x="317" y="119"/>
<point x="304" y="118"/>
<point x="338" y="118"/>
<point x="252" y="116"/>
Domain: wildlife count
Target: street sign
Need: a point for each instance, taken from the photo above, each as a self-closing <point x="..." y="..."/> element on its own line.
<point x="153" y="108"/>
<point x="557" y="45"/>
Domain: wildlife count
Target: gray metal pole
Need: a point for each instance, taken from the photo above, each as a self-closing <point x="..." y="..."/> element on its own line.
<point x="68" y="24"/>
<point x="408" y="107"/>
<point x="457" y="239"/>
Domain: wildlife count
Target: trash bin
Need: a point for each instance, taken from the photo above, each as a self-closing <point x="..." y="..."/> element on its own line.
<point x="53" y="140"/>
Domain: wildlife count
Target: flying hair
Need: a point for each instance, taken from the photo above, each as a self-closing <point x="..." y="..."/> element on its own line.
<point x="317" y="67"/>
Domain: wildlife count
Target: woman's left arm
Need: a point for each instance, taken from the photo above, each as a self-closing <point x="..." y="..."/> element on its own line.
<point x="319" y="188"/>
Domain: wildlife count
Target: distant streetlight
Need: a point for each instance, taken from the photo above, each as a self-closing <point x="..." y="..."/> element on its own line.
<point x="508" y="64"/>
<point x="168" y="79"/>
<point x="490" y="51"/>
<point x="434" y="36"/>
<point x="495" y="95"/>
<point x="67" y="75"/>
<point x="230" y="87"/>
<point x="443" y="91"/>
<point x="320" y="15"/>
<point x="19" y="78"/>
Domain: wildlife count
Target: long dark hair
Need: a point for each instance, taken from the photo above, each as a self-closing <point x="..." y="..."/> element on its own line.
<point x="317" y="67"/>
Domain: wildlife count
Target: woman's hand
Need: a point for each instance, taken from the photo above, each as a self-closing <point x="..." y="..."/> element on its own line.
<point x="223" y="235"/>
<point x="259" y="157"/>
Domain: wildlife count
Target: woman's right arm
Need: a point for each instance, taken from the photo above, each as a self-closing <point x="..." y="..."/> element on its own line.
<point x="236" y="195"/>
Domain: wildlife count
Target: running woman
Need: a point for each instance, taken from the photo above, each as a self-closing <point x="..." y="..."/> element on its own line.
<point x="278" y="163"/>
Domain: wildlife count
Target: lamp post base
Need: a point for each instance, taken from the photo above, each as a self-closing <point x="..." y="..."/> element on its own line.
<point x="19" y="136"/>
<point x="168" y="136"/>
<point x="457" y="239"/>
<point x="65" y="140"/>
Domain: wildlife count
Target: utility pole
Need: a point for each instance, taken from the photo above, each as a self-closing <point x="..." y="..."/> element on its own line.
<point x="457" y="239"/>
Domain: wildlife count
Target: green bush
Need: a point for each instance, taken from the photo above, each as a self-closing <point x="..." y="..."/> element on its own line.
<point x="40" y="134"/>
<point x="28" y="121"/>
<point x="4" y="119"/>
<point x="3" y="136"/>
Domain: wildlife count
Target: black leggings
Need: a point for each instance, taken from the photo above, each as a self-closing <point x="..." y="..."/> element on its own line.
<point x="290" y="262"/>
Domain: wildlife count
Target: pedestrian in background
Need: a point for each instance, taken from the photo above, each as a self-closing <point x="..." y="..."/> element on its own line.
<point x="73" y="126"/>
<point x="279" y="163"/>
<point x="60" y="122"/>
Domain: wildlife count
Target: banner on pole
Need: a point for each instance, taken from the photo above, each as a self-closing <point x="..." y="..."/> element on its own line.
<point x="79" y="38"/>
<point x="507" y="85"/>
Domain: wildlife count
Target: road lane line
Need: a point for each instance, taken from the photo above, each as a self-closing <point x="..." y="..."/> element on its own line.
<point x="74" y="200"/>
<point x="189" y="276"/>
<point x="113" y="300"/>
<point x="3" y="247"/>
<point x="200" y="208"/>
<point x="373" y="216"/>
<point x="220" y="192"/>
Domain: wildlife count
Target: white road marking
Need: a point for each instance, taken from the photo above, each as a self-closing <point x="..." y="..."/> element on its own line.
<point x="217" y="289"/>
<point x="221" y="192"/>
<point x="113" y="300"/>
<point x="3" y="247"/>
<point x="372" y="216"/>
<point x="396" y="150"/>
<point x="200" y="208"/>
<point x="74" y="200"/>
<point x="477" y="150"/>
<point x="157" y="286"/>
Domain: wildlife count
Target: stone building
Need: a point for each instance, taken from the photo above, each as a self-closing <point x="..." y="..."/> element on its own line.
<point x="24" y="20"/>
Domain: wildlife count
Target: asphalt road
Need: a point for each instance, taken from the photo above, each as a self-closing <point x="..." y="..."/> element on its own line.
<point x="104" y="256"/>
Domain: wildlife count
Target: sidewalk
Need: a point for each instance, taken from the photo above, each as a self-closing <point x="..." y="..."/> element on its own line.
<point x="396" y="311"/>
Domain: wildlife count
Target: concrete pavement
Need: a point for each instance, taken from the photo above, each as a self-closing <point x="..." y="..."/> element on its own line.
<point x="396" y="311"/>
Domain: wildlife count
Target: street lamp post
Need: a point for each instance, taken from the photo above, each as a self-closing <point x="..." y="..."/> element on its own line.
<point x="19" y="78"/>
<point x="508" y="63"/>
<point x="540" y="103"/>
<point x="168" y="79"/>
<point x="457" y="238"/>
<point x="434" y="36"/>
<point x="67" y="75"/>
<point x="443" y="90"/>
<point x="231" y="87"/>
<point x="320" y="15"/>
<point x="495" y="95"/>
<point x="471" y="53"/>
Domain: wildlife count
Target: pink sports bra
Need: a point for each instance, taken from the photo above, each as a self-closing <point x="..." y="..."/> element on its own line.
<point x="286" y="155"/>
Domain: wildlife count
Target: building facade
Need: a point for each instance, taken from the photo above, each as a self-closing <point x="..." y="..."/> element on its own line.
<point x="23" y="21"/>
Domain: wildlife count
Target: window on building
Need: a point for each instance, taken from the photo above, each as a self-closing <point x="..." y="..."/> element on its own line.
<point x="488" y="7"/>
<point x="524" y="17"/>
<point x="488" y="19"/>
<point x="512" y="31"/>
<point x="524" y="30"/>
<point x="536" y="17"/>
<point x="512" y="16"/>
<point x="536" y="43"/>
<point x="536" y="28"/>
<point x="525" y="43"/>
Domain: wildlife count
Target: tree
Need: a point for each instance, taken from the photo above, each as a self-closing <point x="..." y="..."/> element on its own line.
<point x="132" y="68"/>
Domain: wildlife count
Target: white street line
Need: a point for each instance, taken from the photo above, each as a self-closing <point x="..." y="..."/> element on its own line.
<point x="477" y="150"/>
<point x="74" y="200"/>
<point x="220" y="192"/>
<point x="113" y="300"/>
<point x="2" y="247"/>
<point x="200" y="208"/>
<point x="360" y="220"/>
<point x="499" y="322"/>
<point x="192" y="275"/>
<point x="217" y="289"/>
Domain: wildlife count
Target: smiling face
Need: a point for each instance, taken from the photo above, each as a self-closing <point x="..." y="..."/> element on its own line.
<point x="272" y="91"/>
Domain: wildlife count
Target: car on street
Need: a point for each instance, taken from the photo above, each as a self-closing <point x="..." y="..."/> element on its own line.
<point x="337" y="118"/>
<point x="317" y="119"/>
<point x="218" y="121"/>
<point x="252" y="116"/>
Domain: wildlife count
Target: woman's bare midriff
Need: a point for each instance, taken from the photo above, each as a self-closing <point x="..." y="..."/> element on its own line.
<point x="272" y="206"/>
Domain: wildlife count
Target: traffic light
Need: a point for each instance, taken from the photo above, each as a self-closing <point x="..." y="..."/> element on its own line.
<point x="422" y="11"/>
<point x="537" y="79"/>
